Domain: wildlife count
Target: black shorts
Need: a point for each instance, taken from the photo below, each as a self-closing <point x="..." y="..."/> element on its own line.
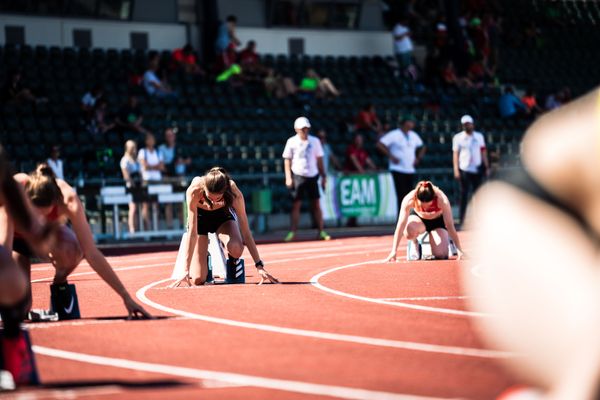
<point x="22" y="247"/>
<point x="210" y="221"/>
<point x="431" y="224"/>
<point x="305" y="186"/>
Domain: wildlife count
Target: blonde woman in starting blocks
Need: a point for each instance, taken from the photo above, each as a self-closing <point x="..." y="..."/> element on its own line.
<point x="215" y="205"/>
<point x="426" y="209"/>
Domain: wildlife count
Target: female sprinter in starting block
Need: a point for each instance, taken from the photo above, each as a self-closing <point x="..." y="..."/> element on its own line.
<point x="57" y="202"/>
<point x="536" y="270"/>
<point x="216" y="205"/>
<point x="426" y="209"/>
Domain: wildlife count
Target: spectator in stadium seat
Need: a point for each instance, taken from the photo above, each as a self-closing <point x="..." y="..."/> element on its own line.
<point x="99" y="123"/>
<point x="227" y="42"/>
<point x="367" y="120"/>
<point x="510" y="105"/>
<point x="130" y="117"/>
<point x="313" y="85"/>
<point x="56" y="163"/>
<point x="405" y="150"/>
<point x="14" y="91"/>
<point x="89" y="99"/>
<point x="469" y="161"/>
<point x="216" y="205"/>
<point x="130" y="168"/>
<point x="530" y="101"/>
<point x="535" y="235"/>
<point x="152" y="166"/>
<point x="426" y="208"/>
<point x="252" y="69"/>
<point x="357" y="161"/>
<point x="153" y="85"/>
<point x="357" y="158"/>
<point x="278" y="85"/>
<point x="303" y="162"/>
<point x="185" y="59"/>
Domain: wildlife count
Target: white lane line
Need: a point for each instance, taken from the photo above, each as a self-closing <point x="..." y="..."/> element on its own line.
<point x="424" y="298"/>
<point x="84" y="322"/>
<point x="397" y="344"/>
<point x="62" y="394"/>
<point x="171" y="263"/>
<point x="114" y="269"/>
<point x="315" y="282"/>
<point x="233" y="378"/>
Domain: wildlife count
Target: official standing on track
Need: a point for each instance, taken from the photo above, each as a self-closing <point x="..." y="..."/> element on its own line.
<point x="303" y="162"/>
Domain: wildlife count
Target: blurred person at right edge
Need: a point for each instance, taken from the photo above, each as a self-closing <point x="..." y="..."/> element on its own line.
<point x="535" y="270"/>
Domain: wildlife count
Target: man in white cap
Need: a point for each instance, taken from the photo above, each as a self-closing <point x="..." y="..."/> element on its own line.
<point x="303" y="161"/>
<point x="470" y="161"/>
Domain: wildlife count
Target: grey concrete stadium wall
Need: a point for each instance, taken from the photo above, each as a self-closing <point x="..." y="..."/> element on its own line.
<point x="47" y="31"/>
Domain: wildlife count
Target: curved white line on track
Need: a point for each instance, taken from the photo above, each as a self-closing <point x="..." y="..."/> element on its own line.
<point x="236" y="379"/>
<point x="397" y="344"/>
<point x="426" y="298"/>
<point x="315" y="282"/>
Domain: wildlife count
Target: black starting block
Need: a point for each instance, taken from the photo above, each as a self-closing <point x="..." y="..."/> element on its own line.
<point x="63" y="301"/>
<point x="17" y="362"/>
<point x="235" y="271"/>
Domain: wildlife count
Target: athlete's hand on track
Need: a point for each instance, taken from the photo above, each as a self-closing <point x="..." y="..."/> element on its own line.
<point x="391" y="257"/>
<point x="187" y="279"/>
<point x="134" y="310"/>
<point x="265" y="275"/>
<point x="460" y="255"/>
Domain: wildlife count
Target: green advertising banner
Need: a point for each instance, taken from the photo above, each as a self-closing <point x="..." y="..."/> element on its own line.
<point x="358" y="195"/>
<point x="364" y="195"/>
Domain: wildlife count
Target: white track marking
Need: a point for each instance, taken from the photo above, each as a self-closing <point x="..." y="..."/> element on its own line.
<point x="84" y="322"/>
<point x="62" y="394"/>
<point x="424" y="298"/>
<point x="233" y="378"/>
<point x="114" y="269"/>
<point x="171" y="264"/>
<point x="315" y="282"/>
<point x="397" y="344"/>
<point x="236" y="379"/>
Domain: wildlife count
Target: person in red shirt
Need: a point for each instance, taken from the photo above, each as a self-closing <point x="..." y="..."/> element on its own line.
<point x="185" y="59"/>
<point x="357" y="158"/>
<point x="249" y="60"/>
<point x="367" y="120"/>
<point x="530" y="102"/>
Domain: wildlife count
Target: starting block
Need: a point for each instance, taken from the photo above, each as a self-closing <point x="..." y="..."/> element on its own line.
<point x="17" y="362"/>
<point x="423" y="252"/>
<point x="63" y="301"/>
<point x="218" y="265"/>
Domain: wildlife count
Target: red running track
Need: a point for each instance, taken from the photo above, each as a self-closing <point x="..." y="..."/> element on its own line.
<point x="342" y="325"/>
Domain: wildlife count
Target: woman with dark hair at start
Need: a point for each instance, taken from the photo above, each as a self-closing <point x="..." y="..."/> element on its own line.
<point x="56" y="201"/>
<point x="216" y="205"/>
<point x="426" y="209"/>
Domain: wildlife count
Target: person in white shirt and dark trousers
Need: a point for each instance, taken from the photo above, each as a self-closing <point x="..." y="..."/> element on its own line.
<point x="152" y="166"/>
<point x="56" y="163"/>
<point x="405" y="150"/>
<point x="303" y="162"/>
<point x="470" y="161"/>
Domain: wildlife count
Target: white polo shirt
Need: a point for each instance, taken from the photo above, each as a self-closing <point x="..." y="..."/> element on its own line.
<point x="403" y="147"/>
<point x="469" y="149"/>
<point x="152" y="159"/>
<point x="403" y="45"/>
<point x="304" y="154"/>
